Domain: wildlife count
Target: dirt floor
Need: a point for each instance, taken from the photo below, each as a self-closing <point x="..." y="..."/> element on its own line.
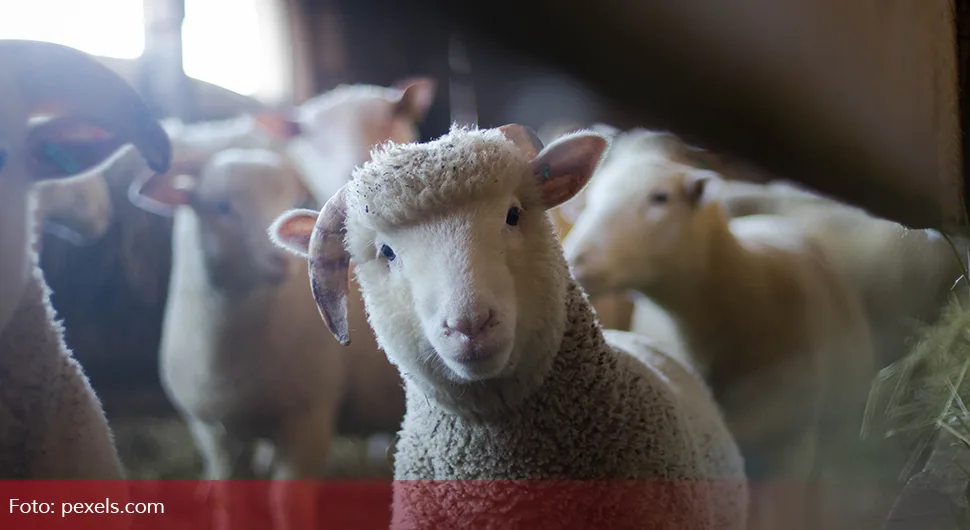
<point x="162" y="448"/>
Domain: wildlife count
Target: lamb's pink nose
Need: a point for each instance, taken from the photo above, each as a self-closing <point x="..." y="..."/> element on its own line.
<point x="471" y="325"/>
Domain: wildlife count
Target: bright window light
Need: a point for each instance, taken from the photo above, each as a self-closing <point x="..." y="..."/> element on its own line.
<point x="235" y="44"/>
<point x="109" y="28"/>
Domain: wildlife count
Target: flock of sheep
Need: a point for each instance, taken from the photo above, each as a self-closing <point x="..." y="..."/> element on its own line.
<point x="733" y="398"/>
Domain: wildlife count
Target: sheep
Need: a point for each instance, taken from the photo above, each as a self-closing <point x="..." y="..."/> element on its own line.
<point x="51" y="422"/>
<point x="243" y="356"/>
<point x="507" y="375"/>
<point x="325" y="137"/>
<point x="904" y="276"/>
<point x="775" y="330"/>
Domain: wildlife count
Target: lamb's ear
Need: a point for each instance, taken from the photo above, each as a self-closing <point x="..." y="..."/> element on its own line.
<point x="291" y="231"/>
<point x="566" y="165"/>
<point x="417" y="96"/>
<point x="696" y="182"/>
<point x="161" y="193"/>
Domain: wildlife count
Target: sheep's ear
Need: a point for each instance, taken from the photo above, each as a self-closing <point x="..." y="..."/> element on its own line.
<point x="696" y="182"/>
<point x="161" y="193"/>
<point x="291" y="231"/>
<point x="416" y="97"/>
<point x="566" y="165"/>
<point x="81" y="111"/>
<point x="280" y="124"/>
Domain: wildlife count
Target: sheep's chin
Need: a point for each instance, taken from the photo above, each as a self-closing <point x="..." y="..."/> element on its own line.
<point x="492" y="362"/>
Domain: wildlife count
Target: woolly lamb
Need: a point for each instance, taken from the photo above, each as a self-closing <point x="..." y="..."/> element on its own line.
<point x="51" y="422"/>
<point x="243" y="355"/>
<point x="507" y="374"/>
<point x="778" y="335"/>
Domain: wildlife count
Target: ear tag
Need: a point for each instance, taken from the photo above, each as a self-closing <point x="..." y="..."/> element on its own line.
<point x="545" y="171"/>
<point x="60" y="158"/>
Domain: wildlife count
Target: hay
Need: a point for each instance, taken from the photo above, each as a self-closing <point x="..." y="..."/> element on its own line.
<point x="927" y="391"/>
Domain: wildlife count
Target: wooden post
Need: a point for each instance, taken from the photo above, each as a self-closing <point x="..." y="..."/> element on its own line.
<point x="163" y="79"/>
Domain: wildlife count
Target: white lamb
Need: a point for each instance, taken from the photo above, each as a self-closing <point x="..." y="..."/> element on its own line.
<point x="243" y="355"/>
<point x="326" y="136"/>
<point x="51" y="422"/>
<point x="777" y="333"/>
<point x="507" y="374"/>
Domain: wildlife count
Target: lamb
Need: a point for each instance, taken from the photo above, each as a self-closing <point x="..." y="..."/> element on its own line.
<point x="777" y="333"/>
<point x="325" y="137"/>
<point x="243" y="356"/>
<point x="905" y="277"/>
<point x="507" y="375"/>
<point x="51" y="422"/>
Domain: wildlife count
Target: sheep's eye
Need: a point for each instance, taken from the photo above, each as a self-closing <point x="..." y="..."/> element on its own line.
<point x="512" y="218"/>
<point x="659" y="197"/>
<point x="224" y="207"/>
<point x="388" y="252"/>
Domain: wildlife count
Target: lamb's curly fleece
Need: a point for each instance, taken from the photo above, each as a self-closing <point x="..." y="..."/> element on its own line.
<point x="49" y="415"/>
<point x="600" y="414"/>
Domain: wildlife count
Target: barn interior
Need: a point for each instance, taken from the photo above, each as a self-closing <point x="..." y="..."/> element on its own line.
<point x="861" y="103"/>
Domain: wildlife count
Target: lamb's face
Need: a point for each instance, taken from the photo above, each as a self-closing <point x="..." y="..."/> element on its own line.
<point x="84" y="112"/>
<point x="455" y="287"/>
<point x="349" y="125"/>
<point x="638" y="225"/>
<point x="238" y="194"/>
<point x="458" y="263"/>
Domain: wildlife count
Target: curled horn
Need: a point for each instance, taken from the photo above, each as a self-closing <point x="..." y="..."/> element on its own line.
<point x="329" y="264"/>
<point x="524" y="138"/>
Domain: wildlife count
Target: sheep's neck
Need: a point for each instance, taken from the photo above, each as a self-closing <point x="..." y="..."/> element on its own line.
<point x="724" y="310"/>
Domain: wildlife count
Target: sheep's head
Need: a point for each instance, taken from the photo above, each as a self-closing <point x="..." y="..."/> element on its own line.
<point x="645" y="221"/>
<point x="61" y="114"/>
<point x="235" y="197"/>
<point x="458" y="263"/>
<point x="350" y="119"/>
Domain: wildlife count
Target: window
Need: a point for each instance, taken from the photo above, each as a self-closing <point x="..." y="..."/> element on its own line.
<point x="239" y="45"/>
<point x="110" y="28"/>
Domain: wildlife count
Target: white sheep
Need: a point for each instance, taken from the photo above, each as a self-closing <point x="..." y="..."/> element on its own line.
<point x="243" y="356"/>
<point x="777" y="333"/>
<point x="506" y="372"/>
<point x="905" y="277"/>
<point x="326" y="136"/>
<point x="51" y="422"/>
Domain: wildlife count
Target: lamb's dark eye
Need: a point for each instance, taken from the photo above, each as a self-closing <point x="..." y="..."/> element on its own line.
<point x="659" y="197"/>
<point x="512" y="218"/>
<point x="224" y="207"/>
<point x="388" y="252"/>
